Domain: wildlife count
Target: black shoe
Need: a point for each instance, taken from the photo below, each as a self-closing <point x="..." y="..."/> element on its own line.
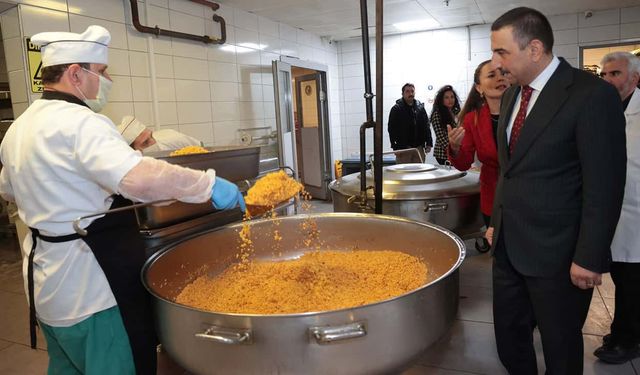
<point x="606" y="339"/>
<point x="617" y="354"/>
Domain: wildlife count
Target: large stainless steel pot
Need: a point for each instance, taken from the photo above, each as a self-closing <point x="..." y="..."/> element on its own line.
<point x="375" y="338"/>
<point x="423" y="192"/>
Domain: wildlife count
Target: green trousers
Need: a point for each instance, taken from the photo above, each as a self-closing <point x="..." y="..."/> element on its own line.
<point x="97" y="345"/>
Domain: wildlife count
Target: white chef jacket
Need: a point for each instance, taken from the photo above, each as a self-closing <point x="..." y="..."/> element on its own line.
<point x="62" y="161"/>
<point x="625" y="246"/>
<point x="169" y="139"/>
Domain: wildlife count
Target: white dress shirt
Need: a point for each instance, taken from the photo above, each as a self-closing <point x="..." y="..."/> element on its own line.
<point x="537" y="85"/>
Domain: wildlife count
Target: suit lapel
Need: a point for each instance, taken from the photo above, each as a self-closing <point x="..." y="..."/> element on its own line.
<point x="549" y="102"/>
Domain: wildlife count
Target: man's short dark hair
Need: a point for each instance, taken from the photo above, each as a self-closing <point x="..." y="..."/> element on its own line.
<point x="527" y="24"/>
<point x="52" y="74"/>
<point x="407" y="85"/>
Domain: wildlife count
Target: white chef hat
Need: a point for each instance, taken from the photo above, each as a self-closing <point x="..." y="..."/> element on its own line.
<point x="66" y="48"/>
<point x="130" y="128"/>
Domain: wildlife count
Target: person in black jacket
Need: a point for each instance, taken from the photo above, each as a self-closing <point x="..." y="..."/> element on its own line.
<point x="409" y="127"/>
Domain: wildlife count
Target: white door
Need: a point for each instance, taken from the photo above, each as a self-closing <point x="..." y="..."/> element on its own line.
<point x="284" y="115"/>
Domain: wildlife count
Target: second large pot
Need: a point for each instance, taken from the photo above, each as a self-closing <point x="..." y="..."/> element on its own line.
<point x="439" y="195"/>
<point x="376" y="338"/>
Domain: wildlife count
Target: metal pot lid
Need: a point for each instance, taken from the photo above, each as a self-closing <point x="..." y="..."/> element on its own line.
<point x="410" y="168"/>
<point x="413" y="181"/>
<point x="417" y="173"/>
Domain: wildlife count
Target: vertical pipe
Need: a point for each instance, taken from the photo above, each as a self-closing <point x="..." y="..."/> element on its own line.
<point x="368" y="96"/>
<point x="363" y="162"/>
<point x="377" y="133"/>
<point x="152" y="74"/>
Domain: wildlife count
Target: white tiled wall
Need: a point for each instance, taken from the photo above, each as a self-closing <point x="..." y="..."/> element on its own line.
<point x="206" y="91"/>
<point x="210" y="91"/>
<point x="441" y="57"/>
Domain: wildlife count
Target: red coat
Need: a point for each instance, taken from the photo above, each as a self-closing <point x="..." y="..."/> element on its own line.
<point x="478" y="137"/>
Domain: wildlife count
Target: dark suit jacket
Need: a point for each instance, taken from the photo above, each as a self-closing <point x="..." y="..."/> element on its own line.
<point x="559" y="194"/>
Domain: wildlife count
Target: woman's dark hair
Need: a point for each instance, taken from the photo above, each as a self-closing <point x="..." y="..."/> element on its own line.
<point x="474" y="100"/>
<point x="527" y="24"/>
<point x="438" y="105"/>
<point x="52" y="74"/>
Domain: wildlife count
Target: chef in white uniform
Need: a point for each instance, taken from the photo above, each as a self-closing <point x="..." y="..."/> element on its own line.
<point x="62" y="160"/>
<point x="144" y="139"/>
<point x="622" y="69"/>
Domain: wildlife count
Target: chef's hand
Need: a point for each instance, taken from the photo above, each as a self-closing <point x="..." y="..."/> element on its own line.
<point x="583" y="278"/>
<point x="225" y="195"/>
<point x="455" y="137"/>
<point x="488" y="235"/>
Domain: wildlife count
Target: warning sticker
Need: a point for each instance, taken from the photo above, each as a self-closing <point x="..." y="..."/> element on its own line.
<point x="35" y="66"/>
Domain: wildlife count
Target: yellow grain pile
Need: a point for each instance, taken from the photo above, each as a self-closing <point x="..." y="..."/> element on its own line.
<point x="189" y="150"/>
<point x="318" y="281"/>
<point x="261" y="198"/>
<point x="272" y="189"/>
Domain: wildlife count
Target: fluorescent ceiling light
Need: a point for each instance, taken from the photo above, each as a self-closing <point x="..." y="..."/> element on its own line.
<point x="243" y="47"/>
<point x="253" y="45"/>
<point x="228" y="48"/>
<point x="416" y="25"/>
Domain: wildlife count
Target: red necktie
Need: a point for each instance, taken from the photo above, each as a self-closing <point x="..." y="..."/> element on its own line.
<point x="520" y="117"/>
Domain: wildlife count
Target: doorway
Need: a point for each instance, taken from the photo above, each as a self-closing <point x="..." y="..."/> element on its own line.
<point x="302" y="121"/>
<point x="590" y="56"/>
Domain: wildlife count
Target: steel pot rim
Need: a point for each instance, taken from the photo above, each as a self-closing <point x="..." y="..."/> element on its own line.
<point x="461" y="256"/>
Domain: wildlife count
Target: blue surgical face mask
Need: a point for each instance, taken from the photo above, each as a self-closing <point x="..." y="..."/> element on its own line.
<point x="104" y="86"/>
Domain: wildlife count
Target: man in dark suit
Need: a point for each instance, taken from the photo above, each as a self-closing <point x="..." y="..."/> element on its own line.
<point x="561" y="148"/>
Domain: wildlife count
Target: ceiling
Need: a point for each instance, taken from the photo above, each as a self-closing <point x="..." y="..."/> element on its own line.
<point x="340" y="19"/>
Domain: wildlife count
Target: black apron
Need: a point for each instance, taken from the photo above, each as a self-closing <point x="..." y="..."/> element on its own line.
<point x="116" y="243"/>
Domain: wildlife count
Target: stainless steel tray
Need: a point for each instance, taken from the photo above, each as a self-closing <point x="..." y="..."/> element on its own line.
<point x="233" y="163"/>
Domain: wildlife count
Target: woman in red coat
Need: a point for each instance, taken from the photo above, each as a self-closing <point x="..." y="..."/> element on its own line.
<point x="479" y="118"/>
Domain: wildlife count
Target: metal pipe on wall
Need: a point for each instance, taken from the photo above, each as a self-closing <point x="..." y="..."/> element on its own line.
<point x="135" y="18"/>
<point x="157" y="31"/>
<point x="363" y="162"/>
<point x="368" y="96"/>
<point x="377" y="132"/>
<point x="155" y="107"/>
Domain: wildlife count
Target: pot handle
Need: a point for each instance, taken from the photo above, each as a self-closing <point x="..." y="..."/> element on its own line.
<point x="329" y="334"/>
<point x="83" y="232"/>
<point x="229" y="336"/>
<point x="436" y="206"/>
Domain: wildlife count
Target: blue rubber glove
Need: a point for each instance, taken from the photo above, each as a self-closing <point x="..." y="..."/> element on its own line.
<point x="225" y="195"/>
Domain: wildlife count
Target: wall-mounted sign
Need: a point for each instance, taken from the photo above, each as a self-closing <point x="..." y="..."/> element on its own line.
<point x="35" y="66"/>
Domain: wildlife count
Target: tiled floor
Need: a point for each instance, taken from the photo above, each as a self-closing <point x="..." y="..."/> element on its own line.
<point x="468" y="348"/>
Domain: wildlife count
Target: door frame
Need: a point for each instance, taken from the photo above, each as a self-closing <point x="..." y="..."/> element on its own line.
<point x="324" y="127"/>
<point x="286" y="131"/>
<point x="316" y="191"/>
